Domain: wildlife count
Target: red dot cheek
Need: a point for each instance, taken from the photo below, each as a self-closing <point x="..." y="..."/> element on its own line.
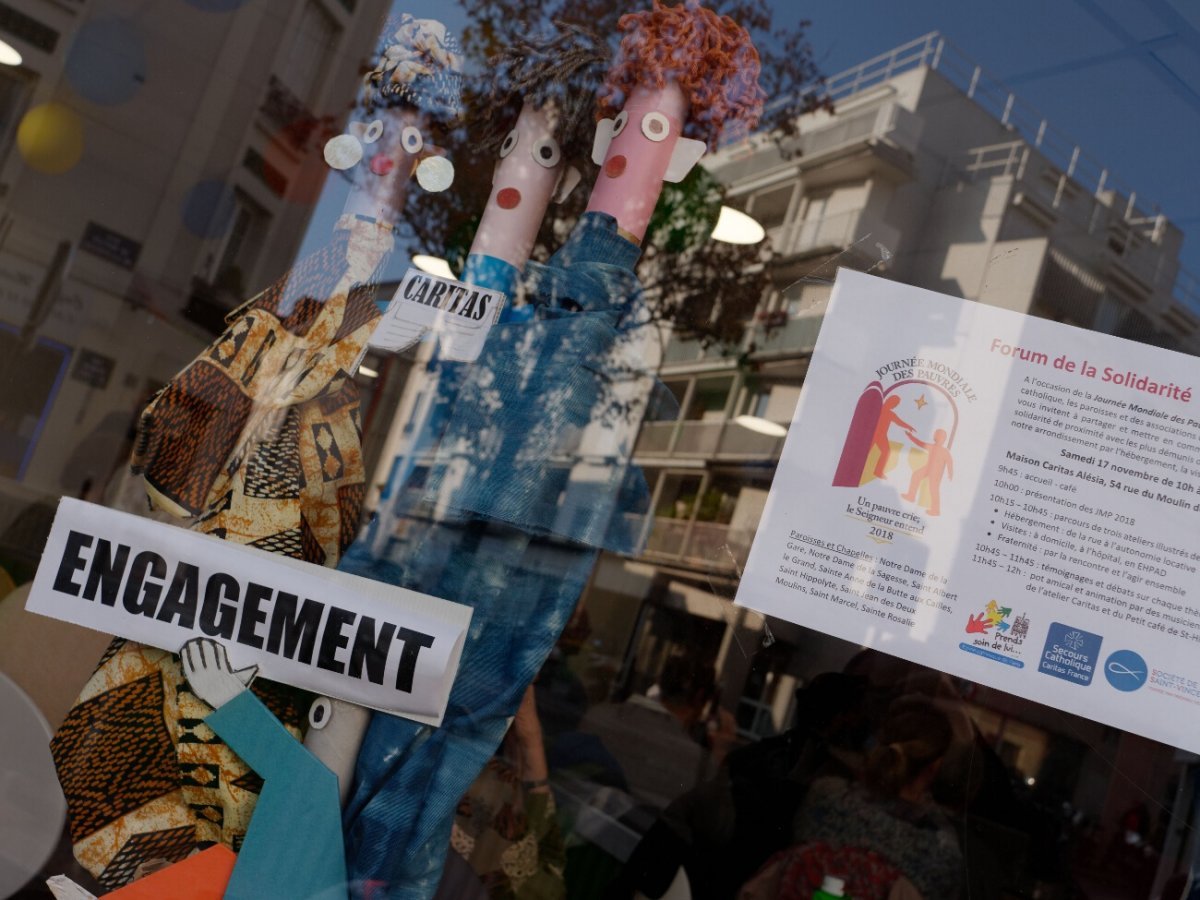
<point x="381" y="163"/>
<point x="615" y="167"/>
<point x="508" y="198"/>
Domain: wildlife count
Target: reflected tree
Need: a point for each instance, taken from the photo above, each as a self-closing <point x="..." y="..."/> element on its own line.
<point x="705" y="288"/>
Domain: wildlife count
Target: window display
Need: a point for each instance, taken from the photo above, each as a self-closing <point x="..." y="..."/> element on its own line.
<point x="418" y="399"/>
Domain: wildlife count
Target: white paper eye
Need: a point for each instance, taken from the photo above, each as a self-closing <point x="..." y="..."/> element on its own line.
<point x="410" y="139"/>
<point x="435" y="173"/>
<point x="343" y="152"/>
<point x="373" y="132"/>
<point x="510" y="143"/>
<point x="655" y="126"/>
<point x="619" y="122"/>
<point x="320" y="713"/>
<point x="546" y="153"/>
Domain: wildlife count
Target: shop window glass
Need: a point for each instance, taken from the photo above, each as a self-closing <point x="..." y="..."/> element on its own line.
<point x="40" y="366"/>
<point x="314" y="38"/>
<point x="617" y="726"/>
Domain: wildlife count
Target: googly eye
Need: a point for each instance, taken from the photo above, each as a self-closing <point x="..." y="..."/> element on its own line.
<point x="320" y="713"/>
<point x="510" y="143"/>
<point x="410" y="140"/>
<point x="655" y="126"/>
<point x="546" y="153"/>
<point x="619" y="122"/>
<point x="374" y="132"/>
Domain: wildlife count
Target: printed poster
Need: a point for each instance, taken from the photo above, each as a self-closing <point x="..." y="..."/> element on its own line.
<point x="1007" y="499"/>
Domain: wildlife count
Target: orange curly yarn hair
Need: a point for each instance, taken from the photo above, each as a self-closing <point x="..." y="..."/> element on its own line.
<point x="709" y="55"/>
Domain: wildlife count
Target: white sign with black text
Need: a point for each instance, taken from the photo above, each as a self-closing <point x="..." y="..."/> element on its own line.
<point x="459" y="314"/>
<point x="337" y="634"/>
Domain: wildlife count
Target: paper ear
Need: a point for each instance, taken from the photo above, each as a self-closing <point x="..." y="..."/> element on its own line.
<point x="604" y="130"/>
<point x="686" y="154"/>
<point x="566" y="183"/>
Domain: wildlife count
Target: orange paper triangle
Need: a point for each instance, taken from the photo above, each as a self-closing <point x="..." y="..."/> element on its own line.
<point x="202" y="876"/>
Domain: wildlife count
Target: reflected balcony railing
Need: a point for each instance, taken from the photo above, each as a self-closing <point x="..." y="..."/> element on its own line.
<point x="667" y="537"/>
<point x="655" y="438"/>
<point x="682" y="349"/>
<point x="995" y="97"/>
<point x="706" y="439"/>
<point x="836" y="231"/>
<point x="1133" y="241"/>
<point x="888" y="123"/>
<point x="1187" y="291"/>
<point x="719" y="544"/>
<point x="797" y="335"/>
<point x="711" y="543"/>
<point x="698" y="438"/>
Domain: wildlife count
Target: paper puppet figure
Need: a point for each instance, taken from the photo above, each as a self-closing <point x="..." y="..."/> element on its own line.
<point x="661" y="96"/>
<point x="502" y="541"/>
<point x="535" y="117"/>
<point x="294" y="845"/>
<point x="257" y="440"/>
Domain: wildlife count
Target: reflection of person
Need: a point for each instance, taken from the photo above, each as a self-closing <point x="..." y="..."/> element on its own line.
<point x="652" y="740"/>
<point x="505" y="825"/>
<point x="878" y="831"/>
<point x="887" y="418"/>
<point x="938" y="463"/>
<point x="724" y="830"/>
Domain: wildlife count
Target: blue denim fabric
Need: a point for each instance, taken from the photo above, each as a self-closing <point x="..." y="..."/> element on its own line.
<point x="514" y="431"/>
<point x="410" y="777"/>
<point x="483" y="271"/>
<point x="502" y="552"/>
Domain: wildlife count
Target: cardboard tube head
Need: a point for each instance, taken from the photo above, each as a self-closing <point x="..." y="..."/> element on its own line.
<point x="384" y="154"/>
<point x="530" y="169"/>
<point x="635" y="150"/>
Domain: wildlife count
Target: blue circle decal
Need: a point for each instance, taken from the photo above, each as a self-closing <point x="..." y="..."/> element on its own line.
<point x="1126" y="670"/>
<point x="107" y="61"/>
<point x="208" y="208"/>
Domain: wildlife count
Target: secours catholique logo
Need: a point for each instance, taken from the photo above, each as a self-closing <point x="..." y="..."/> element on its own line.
<point x="901" y="436"/>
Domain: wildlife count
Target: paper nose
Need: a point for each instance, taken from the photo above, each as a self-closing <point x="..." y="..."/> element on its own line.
<point x="615" y="167"/>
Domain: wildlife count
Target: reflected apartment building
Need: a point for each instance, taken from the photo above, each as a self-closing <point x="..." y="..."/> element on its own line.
<point x="159" y="164"/>
<point x="933" y="174"/>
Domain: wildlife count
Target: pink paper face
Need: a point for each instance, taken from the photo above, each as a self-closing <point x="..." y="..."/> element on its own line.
<point x="395" y="147"/>
<point x="645" y="134"/>
<point x="524" y="181"/>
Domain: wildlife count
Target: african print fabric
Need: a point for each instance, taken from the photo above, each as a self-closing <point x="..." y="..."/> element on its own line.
<point x="145" y="778"/>
<point x="258" y="438"/>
